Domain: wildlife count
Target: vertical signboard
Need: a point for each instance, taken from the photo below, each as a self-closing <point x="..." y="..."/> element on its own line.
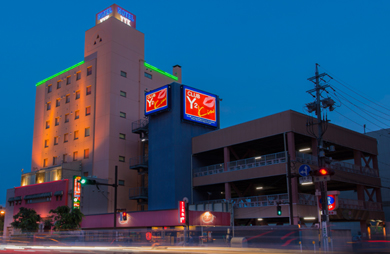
<point x="76" y="192"/>
<point x="200" y="107"/>
<point x="157" y="100"/>
<point x="182" y="212"/>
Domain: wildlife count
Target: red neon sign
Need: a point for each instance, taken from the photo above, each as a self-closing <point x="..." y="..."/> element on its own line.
<point x="200" y="105"/>
<point x="156" y="100"/>
<point x="148" y="236"/>
<point x="76" y="191"/>
<point x="182" y="212"/>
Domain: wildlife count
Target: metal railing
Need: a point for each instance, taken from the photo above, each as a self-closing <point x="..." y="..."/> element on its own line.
<point x="253" y="162"/>
<point x="307" y="199"/>
<point x="360" y="204"/>
<point x="138" y="192"/>
<point x="139" y="124"/>
<point x="260" y="201"/>
<point x="139" y="161"/>
<point x="337" y="165"/>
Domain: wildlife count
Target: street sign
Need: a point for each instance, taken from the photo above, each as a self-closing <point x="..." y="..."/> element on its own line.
<point x="304" y="170"/>
<point x="321" y="178"/>
<point x="305" y="180"/>
<point x="332" y="212"/>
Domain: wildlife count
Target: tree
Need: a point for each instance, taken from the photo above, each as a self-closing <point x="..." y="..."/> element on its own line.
<point x="66" y="219"/>
<point x="26" y="220"/>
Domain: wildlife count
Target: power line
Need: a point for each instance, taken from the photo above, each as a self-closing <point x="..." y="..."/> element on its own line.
<point x="351" y="120"/>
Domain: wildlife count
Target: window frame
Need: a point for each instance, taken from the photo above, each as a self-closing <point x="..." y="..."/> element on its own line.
<point x="122" y="93"/>
<point x="76" y="135"/>
<point x="69" y="80"/>
<point x="50" y="88"/>
<point x="124" y="136"/>
<point x="122" y="114"/>
<point x="78" y="75"/>
<point x="87" y="129"/>
<point x="122" y="157"/>
<point x="90" y="90"/>
<point x="89" y="70"/>
<point x="66" y="137"/>
<point x="148" y="75"/>
<point x="123" y="74"/>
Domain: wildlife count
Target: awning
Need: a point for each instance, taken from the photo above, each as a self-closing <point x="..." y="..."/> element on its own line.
<point x="59" y="193"/>
<point x="15" y="198"/>
<point x="40" y="195"/>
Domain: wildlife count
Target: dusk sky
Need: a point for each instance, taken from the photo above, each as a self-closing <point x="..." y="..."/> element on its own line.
<point x="256" y="55"/>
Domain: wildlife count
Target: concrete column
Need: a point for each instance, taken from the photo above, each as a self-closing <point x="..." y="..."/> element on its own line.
<point x="375" y="162"/>
<point x="294" y="181"/>
<point x="314" y="147"/>
<point x="378" y="195"/>
<point x="228" y="192"/>
<point x="357" y="157"/>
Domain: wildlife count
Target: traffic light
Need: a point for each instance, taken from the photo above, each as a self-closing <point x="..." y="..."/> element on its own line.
<point x="86" y="181"/>
<point x="322" y="172"/>
<point x="124" y="216"/>
<point x="279" y="210"/>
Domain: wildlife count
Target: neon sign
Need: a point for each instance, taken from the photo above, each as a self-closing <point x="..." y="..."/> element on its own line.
<point x="104" y="15"/>
<point x="200" y="107"/>
<point x="182" y="212"/>
<point x="76" y="192"/>
<point x="119" y="13"/>
<point x="157" y="100"/>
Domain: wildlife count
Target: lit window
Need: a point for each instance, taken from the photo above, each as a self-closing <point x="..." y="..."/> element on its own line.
<point x="89" y="70"/>
<point x="48" y="106"/>
<point x="57" y="121"/>
<point x="78" y="75"/>
<point x="56" y="140"/>
<point x="89" y="90"/>
<point x="123" y="74"/>
<point x="67" y="99"/>
<point x="58" y="84"/>
<point x="68" y="80"/>
<point x="49" y="88"/>
<point x="44" y="162"/>
<point x="148" y="75"/>
<point x="66" y="118"/>
<point x="122" y="136"/>
<point x="86" y="153"/>
<point x="77" y="114"/>
<point x="122" y="114"/>
<point x="75" y="155"/>
<point x="76" y="135"/>
<point x="64" y="157"/>
<point x="122" y="158"/>
<point x="47" y="124"/>
<point x="55" y="160"/>
<point x="121" y="182"/>
<point x="123" y="94"/>
<point x="66" y="136"/>
<point x="87" y="132"/>
<point x="46" y="143"/>
<point x="77" y="95"/>
<point x="88" y="110"/>
<point x="58" y="102"/>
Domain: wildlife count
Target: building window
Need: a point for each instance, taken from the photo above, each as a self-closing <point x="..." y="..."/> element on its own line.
<point x="66" y="136"/>
<point x="58" y="102"/>
<point x="123" y="94"/>
<point x="75" y="155"/>
<point x="123" y="74"/>
<point x="77" y="95"/>
<point x="66" y="118"/>
<point x="86" y="153"/>
<point x="89" y="90"/>
<point x="89" y="70"/>
<point x="54" y="160"/>
<point x="58" y="84"/>
<point x="122" y="136"/>
<point x="49" y="88"/>
<point x="121" y="182"/>
<point x="87" y="132"/>
<point x="45" y="162"/>
<point x="77" y="114"/>
<point x="78" y="75"/>
<point x="76" y="135"/>
<point x="47" y="124"/>
<point x="48" y="105"/>
<point x="88" y="110"/>
<point x="64" y="157"/>
<point x="122" y="158"/>
<point x="86" y="174"/>
<point x="67" y="99"/>
<point x="148" y="75"/>
<point x="56" y="140"/>
<point x="122" y="114"/>
<point x="46" y="143"/>
<point x="57" y="121"/>
<point x="68" y="80"/>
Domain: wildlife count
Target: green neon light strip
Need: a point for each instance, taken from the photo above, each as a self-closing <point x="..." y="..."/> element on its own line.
<point x="160" y="71"/>
<point x="59" y="73"/>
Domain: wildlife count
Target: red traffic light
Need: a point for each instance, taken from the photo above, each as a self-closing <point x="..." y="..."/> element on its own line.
<point x="323" y="171"/>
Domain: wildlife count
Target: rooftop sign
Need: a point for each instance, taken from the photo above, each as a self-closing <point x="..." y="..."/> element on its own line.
<point x="119" y="13"/>
<point x="157" y="100"/>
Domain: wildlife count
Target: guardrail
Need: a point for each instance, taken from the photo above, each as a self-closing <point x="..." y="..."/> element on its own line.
<point x="139" y="161"/>
<point x="139" y="124"/>
<point x="138" y="192"/>
<point x="360" y="204"/>
<point x="259" y="161"/>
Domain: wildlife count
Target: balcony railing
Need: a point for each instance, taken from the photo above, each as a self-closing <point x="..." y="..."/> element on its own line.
<point x="139" y="162"/>
<point x="138" y="193"/>
<point x="338" y="165"/>
<point x="360" y="204"/>
<point x="253" y="162"/>
<point x="140" y="125"/>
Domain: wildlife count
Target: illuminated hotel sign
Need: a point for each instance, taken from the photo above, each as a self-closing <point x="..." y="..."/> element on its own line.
<point x="157" y="100"/>
<point x="119" y="13"/>
<point x="182" y="212"/>
<point x="199" y="106"/>
<point x="76" y="192"/>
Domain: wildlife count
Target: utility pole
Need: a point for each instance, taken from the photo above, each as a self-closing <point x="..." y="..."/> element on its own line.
<point x="316" y="106"/>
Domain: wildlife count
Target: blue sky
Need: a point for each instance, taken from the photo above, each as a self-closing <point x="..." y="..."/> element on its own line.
<point x="256" y="55"/>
